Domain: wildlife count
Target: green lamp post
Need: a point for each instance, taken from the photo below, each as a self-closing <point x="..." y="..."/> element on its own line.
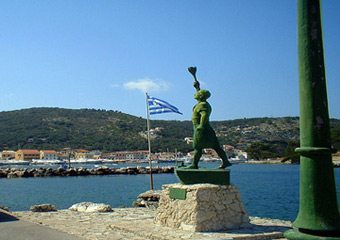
<point x="318" y="216"/>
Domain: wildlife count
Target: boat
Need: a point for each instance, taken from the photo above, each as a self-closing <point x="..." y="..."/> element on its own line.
<point x="187" y="160"/>
<point x="46" y="161"/>
<point x="85" y="161"/>
<point x="109" y="161"/>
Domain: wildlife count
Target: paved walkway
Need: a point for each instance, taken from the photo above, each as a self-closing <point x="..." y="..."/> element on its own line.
<point x="12" y="228"/>
<point x="127" y="223"/>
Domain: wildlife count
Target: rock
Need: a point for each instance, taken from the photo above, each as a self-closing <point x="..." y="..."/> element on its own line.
<point x="61" y="169"/>
<point x="37" y="174"/>
<point x="43" y="208"/>
<point x="91" y="207"/>
<point x="121" y="171"/>
<point x="138" y="203"/>
<point x="151" y="195"/>
<point x="3" y="173"/>
<point x="103" y="170"/>
<point x="142" y="170"/>
<point x="169" y="169"/>
<point x="4" y="208"/>
<point x="71" y="172"/>
<point x="148" y="199"/>
<point x="12" y="175"/>
<point x="83" y="172"/>
<point x="132" y="170"/>
<point x="20" y="173"/>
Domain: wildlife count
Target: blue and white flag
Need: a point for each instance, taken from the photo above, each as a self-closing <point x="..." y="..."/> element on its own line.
<point x="157" y="105"/>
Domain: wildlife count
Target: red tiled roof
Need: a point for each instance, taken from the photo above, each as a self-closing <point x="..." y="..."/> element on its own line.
<point x="48" y="151"/>
<point x="82" y="150"/>
<point x="30" y="151"/>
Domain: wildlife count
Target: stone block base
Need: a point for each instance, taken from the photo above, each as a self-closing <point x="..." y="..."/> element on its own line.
<point x="201" y="207"/>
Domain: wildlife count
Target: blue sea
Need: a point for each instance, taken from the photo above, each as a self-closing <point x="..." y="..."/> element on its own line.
<point x="270" y="191"/>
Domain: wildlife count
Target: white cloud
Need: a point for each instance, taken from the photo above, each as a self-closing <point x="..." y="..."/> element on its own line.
<point x="147" y="85"/>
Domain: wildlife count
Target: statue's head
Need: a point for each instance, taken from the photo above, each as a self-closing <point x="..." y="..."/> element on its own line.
<point x="202" y="95"/>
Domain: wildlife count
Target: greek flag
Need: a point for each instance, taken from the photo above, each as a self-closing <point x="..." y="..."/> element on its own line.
<point x="157" y="105"/>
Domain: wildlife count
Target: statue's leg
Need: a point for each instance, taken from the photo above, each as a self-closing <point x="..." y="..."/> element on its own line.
<point x="223" y="156"/>
<point x="197" y="156"/>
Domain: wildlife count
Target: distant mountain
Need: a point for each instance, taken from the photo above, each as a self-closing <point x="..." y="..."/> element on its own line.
<point x="56" y="128"/>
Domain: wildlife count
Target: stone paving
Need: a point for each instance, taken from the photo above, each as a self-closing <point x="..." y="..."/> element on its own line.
<point x="138" y="224"/>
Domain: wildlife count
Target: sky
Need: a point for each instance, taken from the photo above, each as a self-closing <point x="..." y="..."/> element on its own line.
<point x="106" y="54"/>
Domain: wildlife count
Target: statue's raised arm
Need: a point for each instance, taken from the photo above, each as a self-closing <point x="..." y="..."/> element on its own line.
<point x="193" y="70"/>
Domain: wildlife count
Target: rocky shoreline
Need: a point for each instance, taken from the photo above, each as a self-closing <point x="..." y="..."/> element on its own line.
<point x="61" y="172"/>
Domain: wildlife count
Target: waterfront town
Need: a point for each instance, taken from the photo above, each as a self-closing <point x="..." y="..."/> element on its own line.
<point x="82" y="155"/>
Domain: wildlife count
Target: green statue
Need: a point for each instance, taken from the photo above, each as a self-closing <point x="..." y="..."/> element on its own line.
<point x="204" y="135"/>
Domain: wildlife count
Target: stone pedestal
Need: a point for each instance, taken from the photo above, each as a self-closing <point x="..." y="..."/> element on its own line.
<point x="201" y="207"/>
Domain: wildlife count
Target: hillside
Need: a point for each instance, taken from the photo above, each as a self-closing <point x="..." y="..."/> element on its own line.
<point x="56" y="128"/>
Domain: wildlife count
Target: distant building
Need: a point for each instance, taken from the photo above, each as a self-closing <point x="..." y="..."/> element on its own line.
<point x="137" y="155"/>
<point x="48" y="155"/>
<point x="7" y="155"/>
<point x="27" y="154"/>
<point x="110" y="155"/>
<point x="242" y="145"/>
<point x="243" y="155"/>
<point x="66" y="153"/>
<point x="168" y="155"/>
<point x="189" y="140"/>
<point x="131" y="155"/>
<point x="229" y="150"/>
<point x="209" y="152"/>
<point x="120" y="155"/>
<point x="159" y="129"/>
<point x="96" y="154"/>
<point x="64" y="156"/>
<point x="81" y="153"/>
<point x="236" y="151"/>
<point x="190" y="154"/>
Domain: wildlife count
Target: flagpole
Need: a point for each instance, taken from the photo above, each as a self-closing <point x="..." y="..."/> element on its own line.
<point x="149" y="141"/>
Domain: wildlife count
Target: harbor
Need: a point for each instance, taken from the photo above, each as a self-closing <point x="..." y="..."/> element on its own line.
<point x="268" y="220"/>
<point x="260" y="185"/>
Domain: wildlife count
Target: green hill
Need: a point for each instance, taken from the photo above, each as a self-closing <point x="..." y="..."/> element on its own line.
<point x="56" y="128"/>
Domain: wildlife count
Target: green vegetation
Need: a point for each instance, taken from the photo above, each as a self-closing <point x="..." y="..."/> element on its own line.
<point x="290" y="151"/>
<point x="57" y="128"/>
<point x="264" y="150"/>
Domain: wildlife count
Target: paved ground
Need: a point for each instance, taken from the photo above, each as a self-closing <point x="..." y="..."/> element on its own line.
<point x="123" y="223"/>
<point x="12" y="228"/>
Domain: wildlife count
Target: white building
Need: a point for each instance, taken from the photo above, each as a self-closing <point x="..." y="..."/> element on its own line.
<point x="48" y="155"/>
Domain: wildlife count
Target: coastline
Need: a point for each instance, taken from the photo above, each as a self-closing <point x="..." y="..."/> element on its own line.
<point x="24" y="172"/>
<point x="61" y="172"/>
<point x="138" y="223"/>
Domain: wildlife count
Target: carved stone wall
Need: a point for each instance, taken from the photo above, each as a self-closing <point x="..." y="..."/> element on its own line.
<point x="206" y="207"/>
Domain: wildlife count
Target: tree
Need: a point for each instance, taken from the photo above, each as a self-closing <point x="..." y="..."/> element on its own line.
<point x="290" y="151"/>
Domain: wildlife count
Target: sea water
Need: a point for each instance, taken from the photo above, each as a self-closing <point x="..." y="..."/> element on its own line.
<point x="267" y="190"/>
